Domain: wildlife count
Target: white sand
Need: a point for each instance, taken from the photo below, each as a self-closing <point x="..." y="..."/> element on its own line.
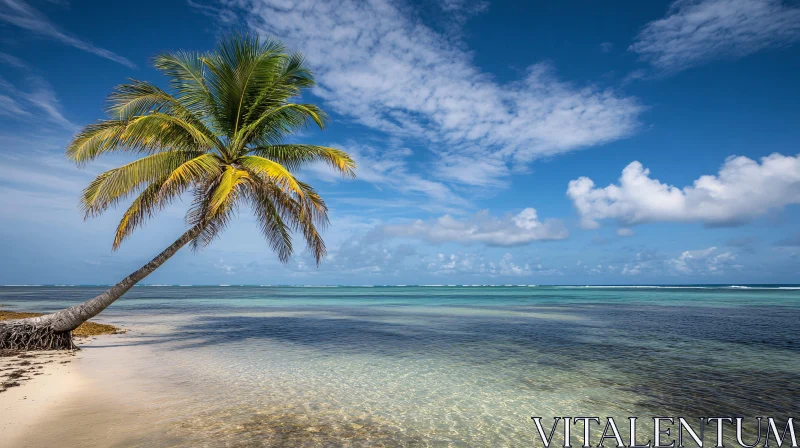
<point x="32" y="403"/>
<point x="95" y="400"/>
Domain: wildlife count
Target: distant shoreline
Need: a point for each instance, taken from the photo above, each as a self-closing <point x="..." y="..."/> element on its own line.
<point x="784" y="286"/>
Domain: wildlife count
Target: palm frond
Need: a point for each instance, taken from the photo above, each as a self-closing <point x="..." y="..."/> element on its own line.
<point x="273" y="171"/>
<point x="151" y="200"/>
<point x="129" y="101"/>
<point x="295" y="156"/>
<point x="272" y="226"/>
<point x="200" y="214"/>
<point x="151" y="133"/>
<point x="280" y="121"/>
<point x="226" y="191"/>
<point x="186" y="72"/>
<point x="294" y="76"/>
<point x="193" y="171"/>
<point x="239" y="69"/>
<point x="313" y="202"/>
<point x="94" y="140"/>
<point x="115" y="184"/>
<point x="301" y="215"/>
<point x="160" y="130"/>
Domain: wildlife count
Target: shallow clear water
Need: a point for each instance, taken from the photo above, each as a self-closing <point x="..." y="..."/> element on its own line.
<point x="442" y="366"/>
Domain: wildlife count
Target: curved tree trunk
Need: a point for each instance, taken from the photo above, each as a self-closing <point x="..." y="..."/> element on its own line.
<point x="53" y="331"/>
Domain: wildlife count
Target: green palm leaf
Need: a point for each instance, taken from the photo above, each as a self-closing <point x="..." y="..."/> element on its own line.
<point x="115" y="184"/>
<point x="273" y="171"/>
<point x="295" y="157"/>
<point x="219" y="134"/>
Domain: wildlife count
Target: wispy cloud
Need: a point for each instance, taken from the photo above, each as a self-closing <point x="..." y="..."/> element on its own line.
<point x="43" y="98"/>
<point x="28" y="177"/>
<point x="218" y="13"/>
<point x="459" y="11"/>
<point x="391" y="72"/>
<point x="696" y="31"/>
<point x="471" y="6"/>
<point x="742" y="190"/>
<point x="22" y="15"/>
<point x="38" y="100"/>
<point x="389" y="168"/>
<point x="13" y="61"/>
<point x="482" y="228"/>
<point x="11" y="108"/>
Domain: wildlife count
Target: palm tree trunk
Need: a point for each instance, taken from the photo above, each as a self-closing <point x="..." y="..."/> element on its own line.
<point x="53" y="331"/>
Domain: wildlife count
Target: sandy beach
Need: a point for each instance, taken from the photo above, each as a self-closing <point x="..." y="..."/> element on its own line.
<point x="27" y="408"/>
<point x="73" y="399"/>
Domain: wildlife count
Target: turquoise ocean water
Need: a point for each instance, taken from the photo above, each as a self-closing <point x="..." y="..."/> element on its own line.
<point x="443" y="365"/>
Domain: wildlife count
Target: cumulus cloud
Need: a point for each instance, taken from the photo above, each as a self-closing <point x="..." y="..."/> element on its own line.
<point x="391" y="72"/>
<point x="703" y="261"/>
<point x="473" y="264"/>
<point x="742" y="190"/>
<point x="695" y="31"/>
<point x="648" y="262"/>
<point x="512" y="230"/>
<point x="644" y="261"/>
<point x="22" y="15"/>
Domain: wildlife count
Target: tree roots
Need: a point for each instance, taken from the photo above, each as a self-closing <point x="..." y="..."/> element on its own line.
<point x="34" y="337"/>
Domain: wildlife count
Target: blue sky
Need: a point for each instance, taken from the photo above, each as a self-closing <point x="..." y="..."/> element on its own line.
<point x="498" y="142"/>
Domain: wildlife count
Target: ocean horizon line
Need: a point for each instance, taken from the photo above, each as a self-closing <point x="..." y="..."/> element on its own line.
<point x="245" y="285"/>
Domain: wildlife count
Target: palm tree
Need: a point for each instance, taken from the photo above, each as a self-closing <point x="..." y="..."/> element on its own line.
<point x="220" y="135"/>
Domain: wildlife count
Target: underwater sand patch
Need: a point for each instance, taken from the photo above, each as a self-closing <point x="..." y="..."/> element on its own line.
<point x="281" y="428"/>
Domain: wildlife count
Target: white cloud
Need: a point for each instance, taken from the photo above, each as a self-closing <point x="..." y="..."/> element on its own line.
<point x="393" y="73"/>
<point x="43" y="98"/>
<point x="463" y="5"/>
<point x="704" y="261"/>
<point x="695" y="31"/>
<point x="9" y="107"/>
<point x="18" y="174"/>
<point x="742" y="190"/>
<point x="473" y="264"/>
<point x="224" y="15"/>
<point x="389" y="168"/>
<point x="606" y="47"/>
<point x="644" y="261"/>
<point x="512" y="230"/>
<point x="226" y="268"/>
<point x="19" y="13"/>
<point x="12" y="61"/>
<point x="624" y="231"/>
<point x="38" y="101"/>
